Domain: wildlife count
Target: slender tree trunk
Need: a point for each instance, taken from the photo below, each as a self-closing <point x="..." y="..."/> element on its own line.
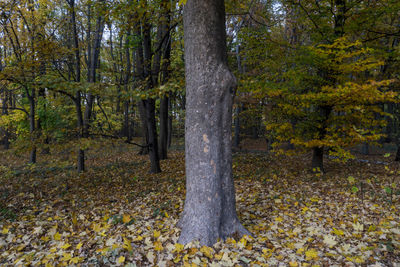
<point x="126" y="84"/>
<point x="165" y="23"/>
<point x="209" y="211"/>
<point x="149" y="103"/>
<point x="169" y="137"/>
<point x="145" y="131"/>
<point x="163" y="127"/>
<point x="127" y="132"/>
<point x="5" y="101"/>
<point x="152" y="133"/>
<point x="77" y="100"/>
<point x="31" y="98"/>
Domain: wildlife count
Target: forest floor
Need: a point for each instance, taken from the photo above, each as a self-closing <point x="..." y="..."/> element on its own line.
<point x="118" y="214"/>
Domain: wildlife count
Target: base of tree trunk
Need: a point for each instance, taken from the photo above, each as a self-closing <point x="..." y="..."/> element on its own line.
<point x="397" y="154"/>
<point x="365" y="149"/>
<point x="317" y="163"/>
<point x="32" y="157"/>
<point x="81" y="161"/>
<point x="194" y="228"/>
<point x="143" y="150"/>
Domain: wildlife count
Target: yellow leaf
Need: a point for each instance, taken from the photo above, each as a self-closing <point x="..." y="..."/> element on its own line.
<point x="293" y="264"/>
<point x="66" y="246"/>
<point x="158" y="246"/>
<point x="242" y="243"/>
<point x="79" y="245"/>
<point x="300" y="251"/>
<point x="337" y="231"/>
<point x="311" y="254"/>
<point x="156" y="234"/>
<point x="74" y="219"/>
<point x="66" y="257"/>
<point x="127" y="245"/>
<point x="177" y="259"/>
<point x="218" y="256"/>
<point x="178" y="247"/>
<point x="121" y="260"/>
<point x="96" y="227"/>
<point x="74" y="260"/>
<point x="57" y="236"/>
<point x="126" y="218"/>
<point x="138" y="238"/>
<point x="207" y="251"/>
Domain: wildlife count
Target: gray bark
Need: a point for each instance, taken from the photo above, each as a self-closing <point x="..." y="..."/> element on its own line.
<point x="209" y="211"/>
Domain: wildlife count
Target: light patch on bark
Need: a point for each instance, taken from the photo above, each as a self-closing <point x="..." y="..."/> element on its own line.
<point x="206" y="149"/>
<point x="205" y="139"/>
<point x="214" y="166"/>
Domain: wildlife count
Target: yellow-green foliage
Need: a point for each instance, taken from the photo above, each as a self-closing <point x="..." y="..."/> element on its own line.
<point x="327" y="100"/>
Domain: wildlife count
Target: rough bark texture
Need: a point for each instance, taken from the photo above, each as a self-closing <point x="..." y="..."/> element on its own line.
<point x="209" y="211"/>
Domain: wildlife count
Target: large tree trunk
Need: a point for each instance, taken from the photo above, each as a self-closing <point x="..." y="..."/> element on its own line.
<point x="209" y="211"/>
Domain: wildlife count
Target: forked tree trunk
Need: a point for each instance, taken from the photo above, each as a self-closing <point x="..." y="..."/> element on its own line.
<point x="209" y="211"/>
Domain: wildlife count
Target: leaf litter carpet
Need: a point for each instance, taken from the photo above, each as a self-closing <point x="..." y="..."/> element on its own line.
<point x="118" y="214"/>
